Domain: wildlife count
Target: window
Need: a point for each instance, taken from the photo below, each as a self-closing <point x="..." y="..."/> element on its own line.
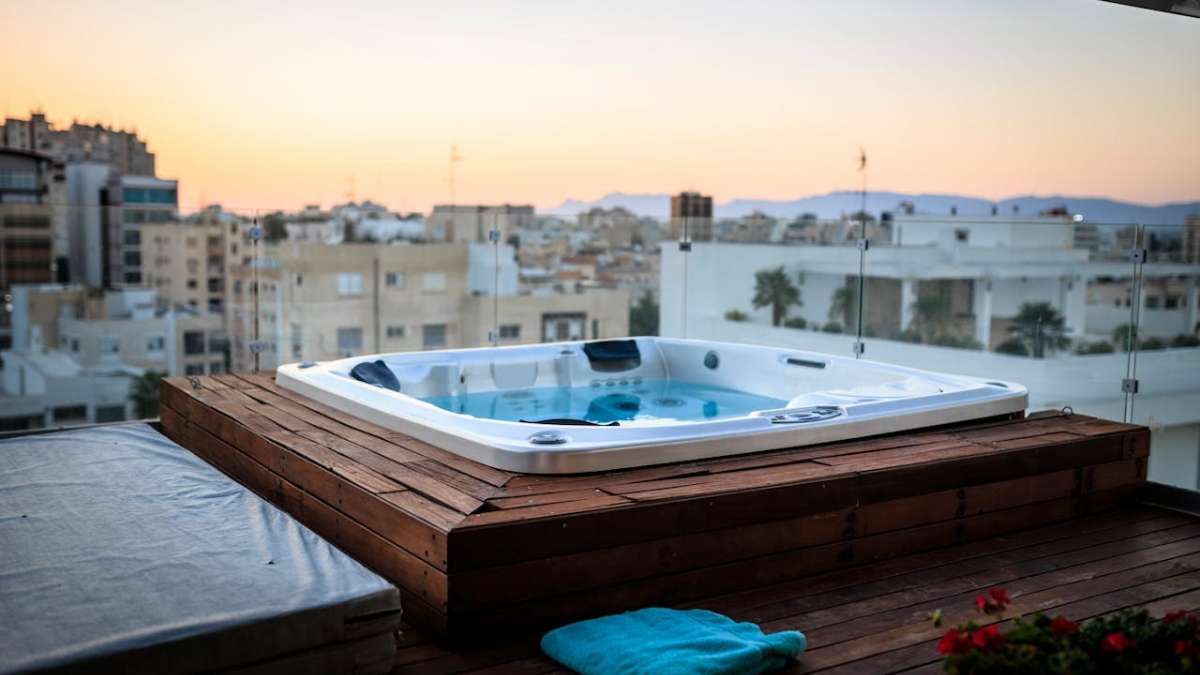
<point x="156" y="343"/>
<point x="190" y="242"/>
<point x="349" y="283"/>
<point x="70" y="412"/>
<point x="434" y="282"/>
<point x="962" y="235"/>
<point x="193" y="369"/>
<point x="394" y="280"/>
<point x="193" y="342"/>
<point x="133" y="237"/>
<point x="133" y="258"/>
<point x="216" y="367"/>
<point x="510" y="331"/>
<point x="433" y="335"/>
<point x="297" y="340"/>
<point x="18" y="180"/>
<point x="395" y="331"/>
<point x="1152" y="302"/>
<point x="109" y="345"/>
<point x="193" y="266"/>
<point x="110" y="413"/>
<point x="567" y="326"/>
<point x="349" y="340"/>
<point x="192" y="284"/>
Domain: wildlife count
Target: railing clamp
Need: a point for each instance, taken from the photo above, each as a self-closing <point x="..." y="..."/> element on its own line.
<point x="685" y="246"/>
<point x="1129" y="385"/>
<point x="258" y="346"/>
<point x="1138" y="256"/>
<point x="860" y="348"/>
<point x="864" y="244"/>
<point x="493" y="235"/>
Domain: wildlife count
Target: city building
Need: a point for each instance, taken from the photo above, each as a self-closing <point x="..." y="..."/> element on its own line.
<point x="464" y="223"/>
<point x="691" y="217"/>
<point x="756" y="227"/>
<point x="124" y="329"/>
<point x="950" y="294"/>
<point x="123" y="150"/>
<point x="185" y="263"/>
<point x="619" y="229"/>
<point x="32" y="228"/>
<point x="320" y="302"/>
<point x="144" y="200"/>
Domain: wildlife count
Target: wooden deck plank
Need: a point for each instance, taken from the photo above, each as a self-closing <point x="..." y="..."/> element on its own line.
<point x="513" y="551"/>
<point x="1147" y="557"/>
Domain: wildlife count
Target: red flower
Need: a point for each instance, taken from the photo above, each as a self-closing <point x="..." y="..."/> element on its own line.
<point x="954" y="642"/>
<point x="996" y="603"/>
<point x="1000" y="596"/>
<point x="981" y="604"/>
<point x="1187" y="649"/>
<point x="1172" y="617"/>
<point x="1116" y="642"/>
<point x="987" y="638"/>
<point x="1061" y="625"/>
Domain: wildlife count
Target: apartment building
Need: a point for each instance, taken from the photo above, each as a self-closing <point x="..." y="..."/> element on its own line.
<point x="32" y="228"/>
<point x="123" y="150"/>
<point x="942" y="293"/>
<point x="319" y="302"/>
<point x="691" y="217"/>
<point x="466" y="223"/>
<point x="186" y="263"/>
<point x="145" y="200"/>
<point x="120" y="329"/>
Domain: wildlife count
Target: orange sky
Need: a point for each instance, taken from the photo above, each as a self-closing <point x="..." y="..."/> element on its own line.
<point x="272" y="105"/>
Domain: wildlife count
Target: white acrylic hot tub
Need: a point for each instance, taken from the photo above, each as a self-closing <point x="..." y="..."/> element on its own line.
<point x="679" y="400"/>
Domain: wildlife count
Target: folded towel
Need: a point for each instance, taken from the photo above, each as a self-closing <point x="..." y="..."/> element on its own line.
<point x="667" y="641"/>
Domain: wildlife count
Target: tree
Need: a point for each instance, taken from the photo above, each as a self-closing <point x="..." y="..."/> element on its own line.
<point x="736" y="315"/>
<point x="643" y="316"/>
<point x="931" y="316"/>
<point x="143" y="391"/>
<point x="1040" y="328"/>
<point x="843" y="306"/>
<point x="774" y="288"/>
<point x="274" y="227"/>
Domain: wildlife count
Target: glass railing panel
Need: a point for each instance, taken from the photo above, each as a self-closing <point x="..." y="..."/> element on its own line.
<point x="1165" y="368"/>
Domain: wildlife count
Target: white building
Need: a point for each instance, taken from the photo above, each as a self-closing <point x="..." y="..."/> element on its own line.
<point x="985" y="271"/>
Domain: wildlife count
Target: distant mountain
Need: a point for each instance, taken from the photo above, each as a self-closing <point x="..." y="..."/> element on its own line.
<point x="835" y="204"/>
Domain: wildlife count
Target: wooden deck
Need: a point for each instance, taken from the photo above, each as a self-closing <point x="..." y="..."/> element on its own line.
<point x="876" y="618"/>
<point x="478" y="552"/>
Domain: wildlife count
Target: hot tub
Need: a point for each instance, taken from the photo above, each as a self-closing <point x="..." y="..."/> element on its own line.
<point x="574" y="407"/>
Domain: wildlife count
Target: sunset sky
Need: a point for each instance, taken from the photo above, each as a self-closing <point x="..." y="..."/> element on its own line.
<point x="276" y="104"/>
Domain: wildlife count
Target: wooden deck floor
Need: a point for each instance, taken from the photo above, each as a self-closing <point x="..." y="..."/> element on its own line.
<point x="875" y="618"/>
<point x="477" y="551"/>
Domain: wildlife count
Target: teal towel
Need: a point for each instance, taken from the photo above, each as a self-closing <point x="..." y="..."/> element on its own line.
<point x="666" y="641"/>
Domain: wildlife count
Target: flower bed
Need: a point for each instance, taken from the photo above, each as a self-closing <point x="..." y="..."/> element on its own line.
<point x="1130" y="641"/>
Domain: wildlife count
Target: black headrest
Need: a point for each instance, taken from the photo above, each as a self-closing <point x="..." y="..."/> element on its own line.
<point x="376" y="373"/>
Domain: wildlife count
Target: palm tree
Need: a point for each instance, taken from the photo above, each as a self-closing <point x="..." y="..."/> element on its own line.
<point x="1040" y="327"/>
<point x="931" y="315"/>
<point x="843" y="306"/>
<point x="774" y="288"/>
<point x="143" y="391"/>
